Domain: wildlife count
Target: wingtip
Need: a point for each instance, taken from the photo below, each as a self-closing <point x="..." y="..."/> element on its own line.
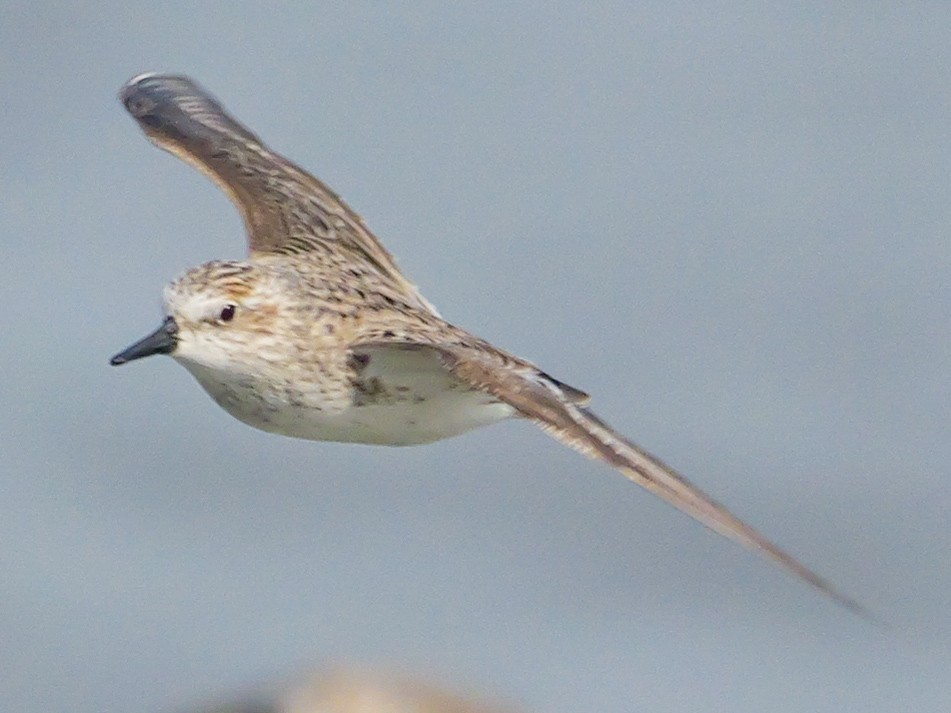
<point x="859" y="610"/>
<point x="148" y="83"/>
<point x="133" y="84"/>
<point x="821" y="584"/>
<point x="174" y="107"/>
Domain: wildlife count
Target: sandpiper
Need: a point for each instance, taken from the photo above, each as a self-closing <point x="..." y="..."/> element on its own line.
<point x="317" y="334"/>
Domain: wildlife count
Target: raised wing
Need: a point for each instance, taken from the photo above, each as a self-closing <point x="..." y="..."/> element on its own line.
<point x="285" y="209"/>
<point x="534" y="395"/>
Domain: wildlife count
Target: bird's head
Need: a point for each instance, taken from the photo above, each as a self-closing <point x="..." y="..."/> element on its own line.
<point x="218" y="316"/>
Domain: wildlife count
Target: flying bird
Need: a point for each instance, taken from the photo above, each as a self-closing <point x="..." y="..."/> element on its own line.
<point x="317" y="334"/>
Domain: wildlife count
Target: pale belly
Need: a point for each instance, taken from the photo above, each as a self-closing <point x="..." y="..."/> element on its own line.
<point x="413" y="411"/>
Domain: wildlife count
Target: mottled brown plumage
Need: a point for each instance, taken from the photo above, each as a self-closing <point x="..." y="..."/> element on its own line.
<point x="319" y="335"/>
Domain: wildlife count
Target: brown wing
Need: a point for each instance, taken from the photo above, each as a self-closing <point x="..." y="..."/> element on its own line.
<point x="536" y="396"/>
<point x="285" y="209"/>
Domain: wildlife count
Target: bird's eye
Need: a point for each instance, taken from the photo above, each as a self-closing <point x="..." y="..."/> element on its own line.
<point x="227" y="313"/>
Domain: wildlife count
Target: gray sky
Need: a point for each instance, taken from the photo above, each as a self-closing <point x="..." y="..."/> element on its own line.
<point x="730" y="224"/>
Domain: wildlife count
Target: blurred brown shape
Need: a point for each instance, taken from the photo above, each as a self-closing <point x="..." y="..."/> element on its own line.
<point x="356" y="691"/>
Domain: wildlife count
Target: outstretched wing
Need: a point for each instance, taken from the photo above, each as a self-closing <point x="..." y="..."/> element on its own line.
<point x="561" y="414"/>
<point x="285" y="209"/>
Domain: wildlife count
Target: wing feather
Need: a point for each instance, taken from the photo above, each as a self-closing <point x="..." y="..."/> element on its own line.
<point x="539" y="398"/>
<point x="285" y="209"/>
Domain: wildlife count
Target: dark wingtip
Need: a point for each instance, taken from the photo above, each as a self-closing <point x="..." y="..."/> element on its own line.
<point x="845" y="601"/>
<point x="177" y="106"/>
<point x="861" y="611"/>
<point x="158" y="101"/>
<point x="156" y="88"/>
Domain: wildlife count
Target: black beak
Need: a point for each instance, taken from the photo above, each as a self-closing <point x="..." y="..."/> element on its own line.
<point x="162" y="341"/>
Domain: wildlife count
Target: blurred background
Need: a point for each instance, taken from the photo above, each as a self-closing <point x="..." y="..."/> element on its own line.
<point x="727" y="222"/>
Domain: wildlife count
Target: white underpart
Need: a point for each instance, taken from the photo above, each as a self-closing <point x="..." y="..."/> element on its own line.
<point x="418" y="401"/>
